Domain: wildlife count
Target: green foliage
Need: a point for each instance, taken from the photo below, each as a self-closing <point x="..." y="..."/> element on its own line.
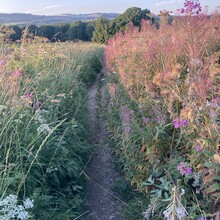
<point x="101" y="32"/>
<point x="90" y="27"/>
<point x="60" y="32"/>
<point x="44" y="129"/>
<point x="77" y="31"/>
<point x="31" y="29"/>
<point x="17" y="33"/>
<point x="47" y="31"/>
<point x="132" y="15"/>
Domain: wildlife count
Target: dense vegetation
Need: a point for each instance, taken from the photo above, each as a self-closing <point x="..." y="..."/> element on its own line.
<point x="163" y="113"/>
<point x="44" y="127"/>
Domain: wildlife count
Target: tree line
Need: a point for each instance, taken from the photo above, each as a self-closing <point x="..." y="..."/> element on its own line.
<point x="99" y="30"/>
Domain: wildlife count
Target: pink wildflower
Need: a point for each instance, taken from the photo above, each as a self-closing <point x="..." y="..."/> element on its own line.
<point x="180" y="123"/>
<point x="184" y="169"/>
<point x="198" y="148"/>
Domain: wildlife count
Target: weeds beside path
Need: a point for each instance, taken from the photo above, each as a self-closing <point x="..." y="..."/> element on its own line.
<point x="102" y="203"/>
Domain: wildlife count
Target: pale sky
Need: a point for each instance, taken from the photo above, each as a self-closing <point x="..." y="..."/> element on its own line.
<point x="57" y="7"/>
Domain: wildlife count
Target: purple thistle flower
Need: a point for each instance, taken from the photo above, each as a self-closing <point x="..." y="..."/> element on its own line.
<point x="203" y="218"/>
<point x="198" y="148"/>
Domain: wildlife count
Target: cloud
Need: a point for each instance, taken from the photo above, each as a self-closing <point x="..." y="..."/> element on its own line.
<point x="52" y="6"/>
<point x="44" y="10"/>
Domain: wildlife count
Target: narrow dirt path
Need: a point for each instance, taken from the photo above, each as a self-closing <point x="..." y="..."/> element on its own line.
<point x="102" y="203"/>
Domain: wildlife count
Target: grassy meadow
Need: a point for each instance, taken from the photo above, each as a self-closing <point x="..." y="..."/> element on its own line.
<point x="44" y="127"/>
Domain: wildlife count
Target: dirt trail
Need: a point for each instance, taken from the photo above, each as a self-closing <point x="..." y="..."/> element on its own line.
<point x="103" y="203"/>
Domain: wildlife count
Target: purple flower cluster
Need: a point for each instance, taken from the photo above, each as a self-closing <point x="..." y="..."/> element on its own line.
<point x="198" y="148"/>
<point x="184" y="169"/>
<point x="191" y="7"/>
<point x="204" y="218"/>
<point x="146" y="120"/>
<point x="180" y="123"/>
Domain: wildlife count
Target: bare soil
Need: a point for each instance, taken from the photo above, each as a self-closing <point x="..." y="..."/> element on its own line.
<point x="103" y="203"/>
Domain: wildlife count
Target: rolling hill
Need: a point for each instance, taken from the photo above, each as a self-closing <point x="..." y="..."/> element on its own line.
<point x="22" y="18"/>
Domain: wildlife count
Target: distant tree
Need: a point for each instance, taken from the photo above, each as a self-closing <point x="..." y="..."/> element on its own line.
<point x="77" y="31"/>
<point x="47" y="31"/>
<point x="60" y="32"/>
<point x="134" y="15"/>
<point x="104" y="29"/>
<point x="17" y="32"/>
<point x="101" y="32"/>
<point x="31" y="29"/>
<point x="90" y="27"/>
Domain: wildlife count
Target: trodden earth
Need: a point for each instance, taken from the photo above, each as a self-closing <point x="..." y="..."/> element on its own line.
<point x="102" y="202"/>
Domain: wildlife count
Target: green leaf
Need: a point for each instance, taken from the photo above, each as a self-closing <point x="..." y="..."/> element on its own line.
<point x="215" y="178"/>
<point x="217" y="195"/>
<point x="213" y="188"/>
<point x="212" y="166"/>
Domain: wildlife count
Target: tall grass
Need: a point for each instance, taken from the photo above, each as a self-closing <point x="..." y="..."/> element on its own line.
<point x="44" y="126"/>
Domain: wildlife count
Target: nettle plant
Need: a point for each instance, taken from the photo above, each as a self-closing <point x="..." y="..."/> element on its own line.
<point x="172" y="73"/>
